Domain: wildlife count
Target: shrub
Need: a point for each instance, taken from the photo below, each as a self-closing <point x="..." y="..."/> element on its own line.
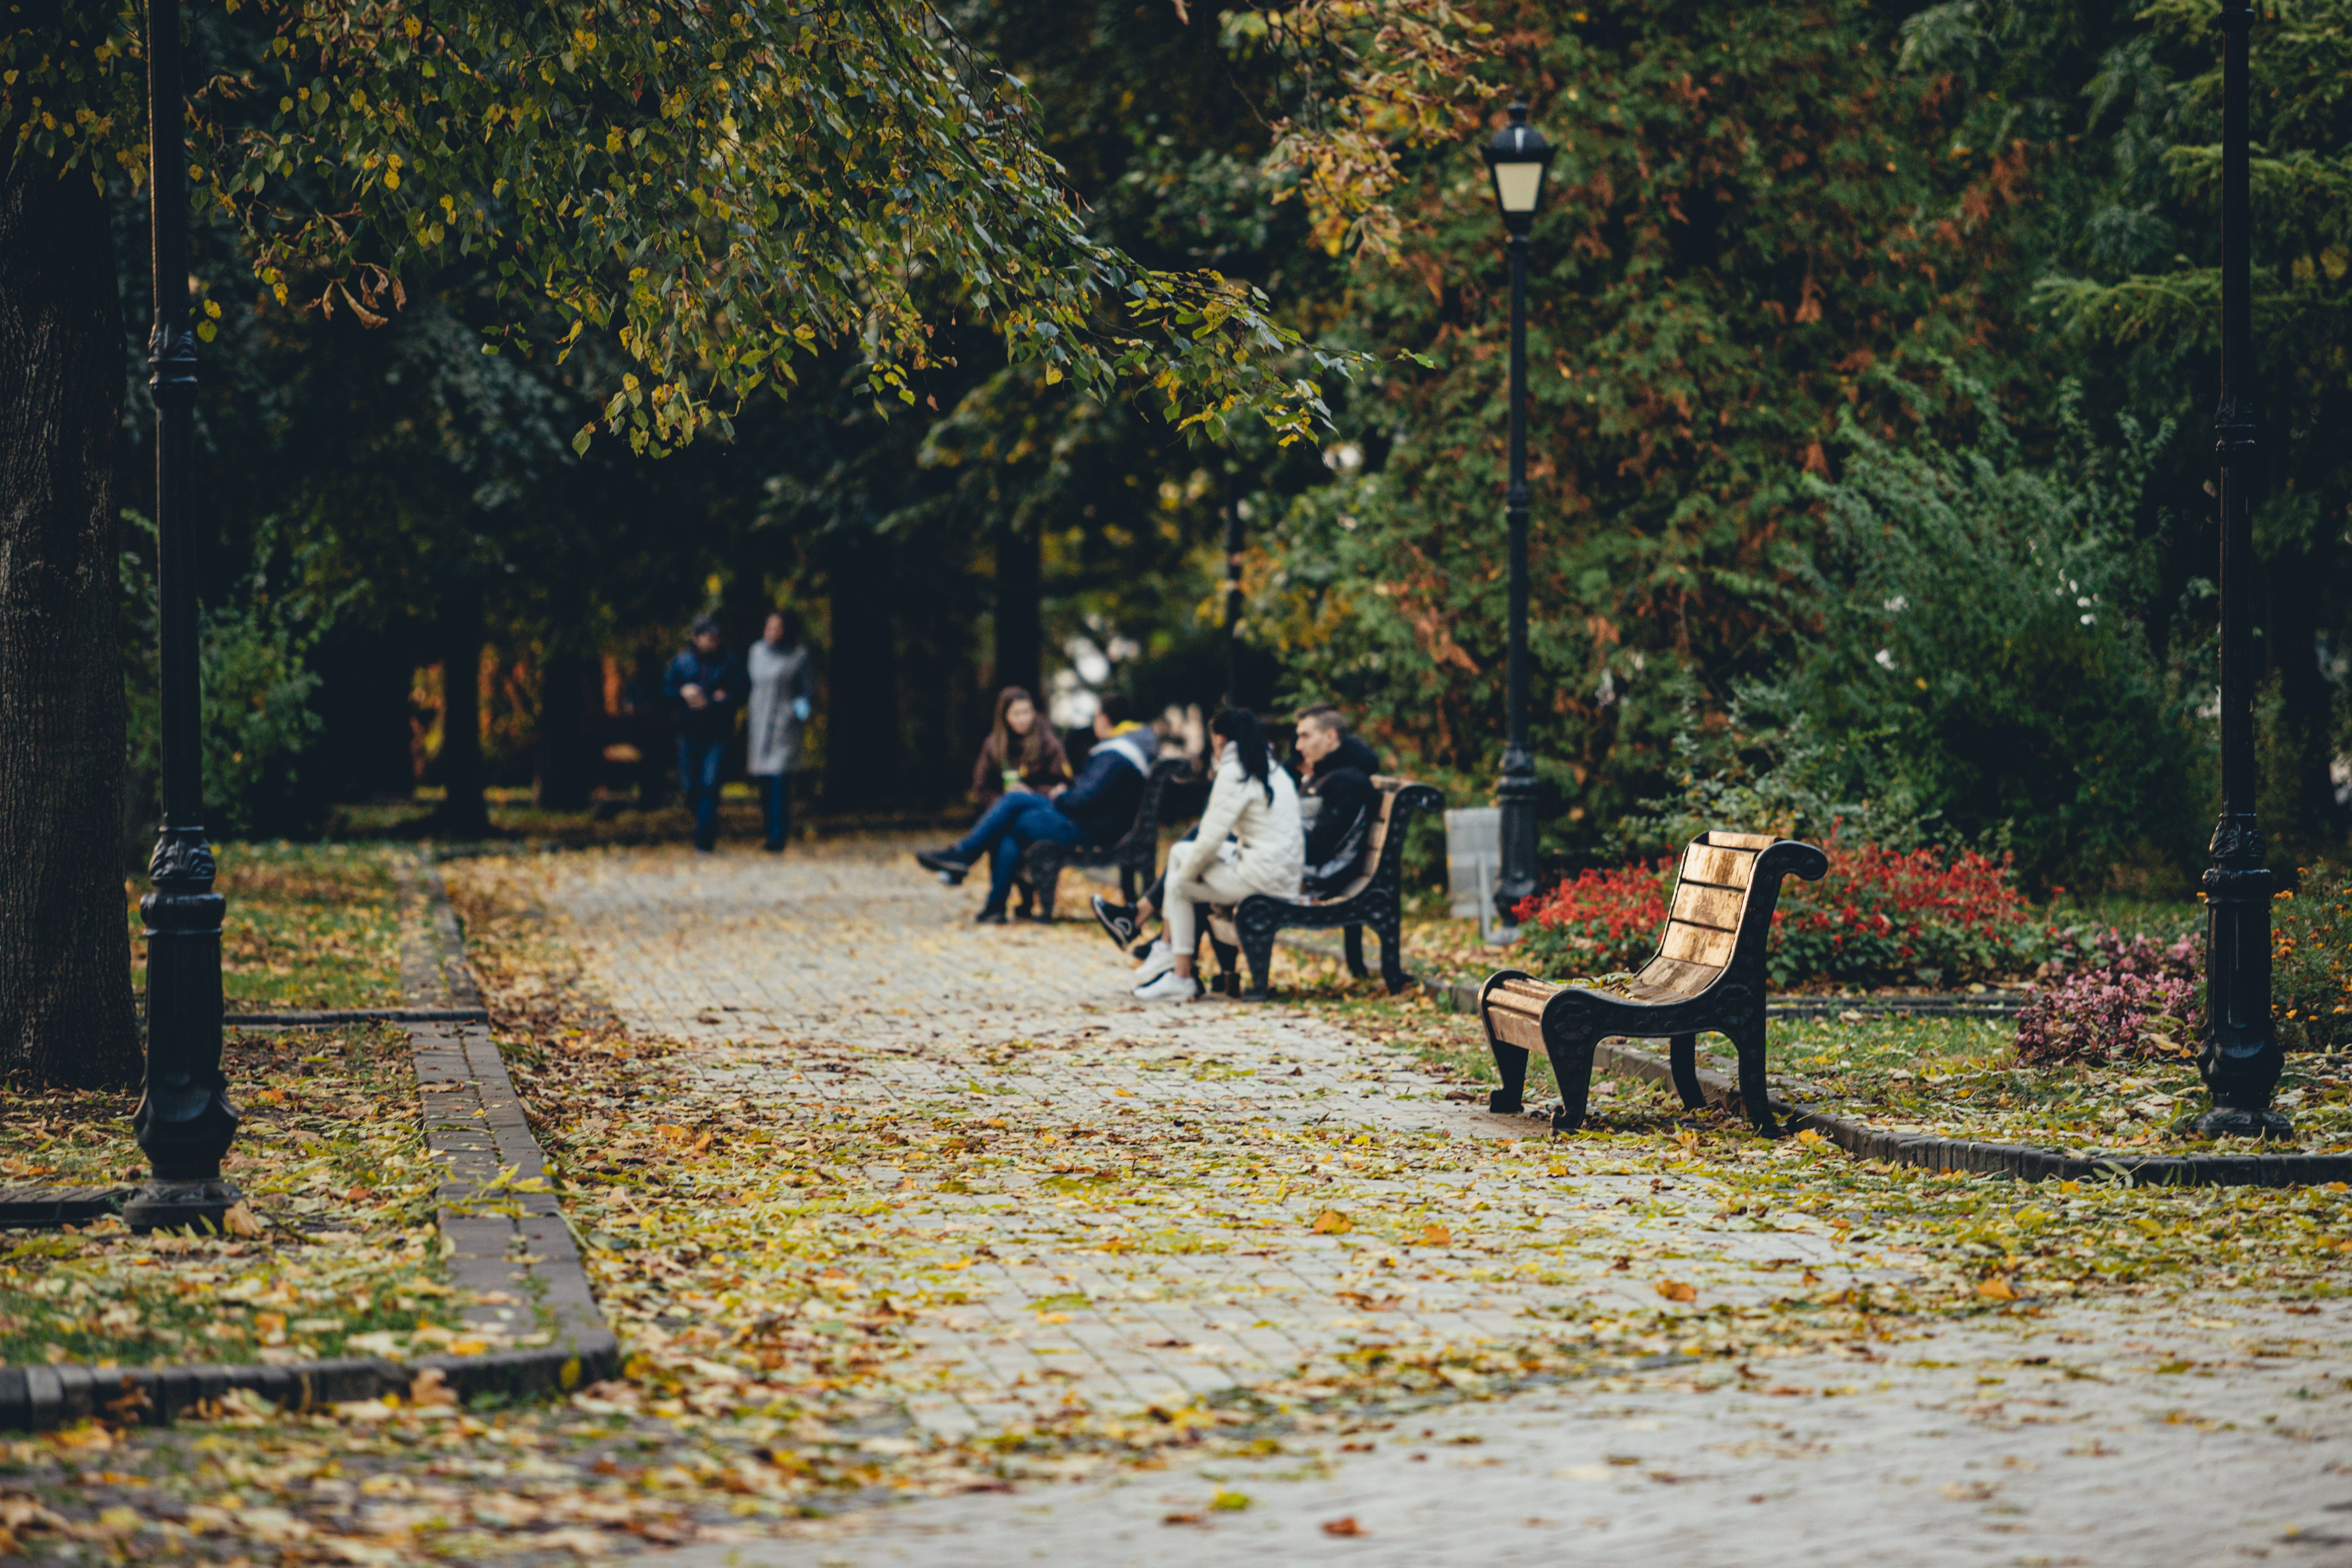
<point x="2097" y="1016"/>
<point x="2311" y="934"/>
<point x="1880" y="916"/>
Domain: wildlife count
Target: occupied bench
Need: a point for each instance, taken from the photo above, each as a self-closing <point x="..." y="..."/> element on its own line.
<point x="1374" y="898"/>
<point x="1136" y="854"/>
<point x="1707" y="975"/>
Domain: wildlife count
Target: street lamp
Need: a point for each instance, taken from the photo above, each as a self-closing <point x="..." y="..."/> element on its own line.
<point x="2240" y="1059"/>
<point x="184" y="1122"/>
<point x="1516" y="158"/>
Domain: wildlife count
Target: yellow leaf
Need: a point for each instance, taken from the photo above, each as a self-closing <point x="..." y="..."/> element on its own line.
<point x="1675" y="1290"/>
<point x="1435" y="1235"/>
<point x="1808" y="1138"/>
<point x="240" y="1221"/>
<point x="1229" y="1503"/>
<point x="1331" y="1222"/>
<point x="1053" y="375"/>
<point x="1997" y="1289"/>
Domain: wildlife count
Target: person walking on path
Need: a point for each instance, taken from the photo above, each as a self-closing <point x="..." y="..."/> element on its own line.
<point x="781" y="688"/>
<point x="1022" y="752"/>
<point x="705" y="686"/>
<point x="1255" y="804"/>
<point x="1096" y="809"/>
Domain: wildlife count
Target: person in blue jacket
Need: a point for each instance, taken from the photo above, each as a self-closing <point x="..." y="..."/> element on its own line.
<point x="1095" y="808"/>
<point x="706" y="687"/>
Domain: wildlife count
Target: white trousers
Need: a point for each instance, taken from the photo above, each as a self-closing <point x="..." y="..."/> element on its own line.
<point x="1210" y="882"/>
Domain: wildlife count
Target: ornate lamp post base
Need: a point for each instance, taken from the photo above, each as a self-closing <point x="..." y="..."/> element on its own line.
<point x="2236" y="1121"/>
<point x="178" y="1205"/>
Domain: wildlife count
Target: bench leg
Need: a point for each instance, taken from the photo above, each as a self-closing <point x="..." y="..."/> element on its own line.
<point x="1353" y="936"/>
<point x="1749" y="1040"/>
<point x="1392" y="973"/>
<point x="1258" y="948"/>
<point x="1049" y="887"/>
<point x="1572" y="1067"/>
<point x="1683" y="1053"/>
<point x="1511" y="1067"/>
<point x="1229" y="969"/>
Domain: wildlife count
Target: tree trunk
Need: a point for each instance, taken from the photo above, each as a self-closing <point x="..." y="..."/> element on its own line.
<point x="463" y="814"/>
<point x="66" y="1014"/>
<point x="562" y="743"/>
<point x="1019" y="636"/>
<point x="861" y="700"/>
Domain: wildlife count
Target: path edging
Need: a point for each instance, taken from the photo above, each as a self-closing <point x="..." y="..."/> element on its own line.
<point x="2024" y="1161"/>
<point x="497" y="1239"/>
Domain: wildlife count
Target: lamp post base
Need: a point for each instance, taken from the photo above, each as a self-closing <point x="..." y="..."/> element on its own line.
<point x="177" y="1206"/>
<point x="2236" y="1121"/>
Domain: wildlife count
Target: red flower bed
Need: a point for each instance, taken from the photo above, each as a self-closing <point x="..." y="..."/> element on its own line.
<point x="1880" y="916"/>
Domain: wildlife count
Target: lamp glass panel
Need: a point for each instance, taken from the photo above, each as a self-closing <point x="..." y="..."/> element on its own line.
<point x="1518" y="184"/>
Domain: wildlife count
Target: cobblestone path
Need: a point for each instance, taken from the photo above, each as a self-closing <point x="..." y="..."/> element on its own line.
<point x="845" y="985"/>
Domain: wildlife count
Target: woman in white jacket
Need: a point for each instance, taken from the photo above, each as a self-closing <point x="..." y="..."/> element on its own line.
<point x="1253" y="804"/>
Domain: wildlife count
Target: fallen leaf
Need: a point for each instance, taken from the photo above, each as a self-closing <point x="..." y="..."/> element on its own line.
<point x="1347" y="1526"/>
<point x="1675" y="1290"/>
<point x="1433" y="1236"/>
<point x="1997" y="1289"/>
<point x="240" y="1221"/>
<point x="1331" y="1222"/>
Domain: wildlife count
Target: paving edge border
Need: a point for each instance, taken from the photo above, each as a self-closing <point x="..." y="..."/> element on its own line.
<point x="2023" y="1162"/>
<point x="516" y="1245"/>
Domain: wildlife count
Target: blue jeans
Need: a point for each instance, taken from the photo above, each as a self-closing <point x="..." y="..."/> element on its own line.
<point x="776" y="803"/>
<point x="698" y="776"/>
<point x="1006" y="828"/>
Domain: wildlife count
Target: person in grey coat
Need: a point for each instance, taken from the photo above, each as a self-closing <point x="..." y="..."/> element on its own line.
<point x="781" y="688"/>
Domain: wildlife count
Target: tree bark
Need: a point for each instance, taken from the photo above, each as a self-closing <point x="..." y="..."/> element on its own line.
<point x="464" y="813"/>
<point x="861" y="699"/>
<point x="65" y="1016"/>
<point x="1020" y="635"/>
<point x="561" y="748"/>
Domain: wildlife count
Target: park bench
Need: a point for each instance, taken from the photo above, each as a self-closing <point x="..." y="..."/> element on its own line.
<point x="1706" y="977"/>
<point x="1374" y="898"/>
<point x="1135" y="855"/>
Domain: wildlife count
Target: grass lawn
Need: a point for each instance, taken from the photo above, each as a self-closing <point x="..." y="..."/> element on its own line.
<point x="308" y="926"/>
<point x="333" y="1253"/>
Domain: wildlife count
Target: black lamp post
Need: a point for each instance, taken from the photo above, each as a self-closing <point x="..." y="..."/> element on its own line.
<point x="2240" y="1058"/>
<point x="1517" y="157"/>
<point x="184" y="1122"/>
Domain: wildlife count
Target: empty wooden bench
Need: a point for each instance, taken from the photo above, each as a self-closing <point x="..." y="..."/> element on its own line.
<point x="1135" y="854"/>
<point x="1708" y="977"/>
<point x="1375" y="899"/>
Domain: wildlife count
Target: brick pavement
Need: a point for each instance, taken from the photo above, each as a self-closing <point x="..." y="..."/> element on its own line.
<point x="847" y="984"/>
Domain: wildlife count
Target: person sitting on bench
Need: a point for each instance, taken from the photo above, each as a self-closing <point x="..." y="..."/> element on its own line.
<point x="1095" y="809"/>
<point x="1252" y="800"/>
<point x="1337" y="771"/>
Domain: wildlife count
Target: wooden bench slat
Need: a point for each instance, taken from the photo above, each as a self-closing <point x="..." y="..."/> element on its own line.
<point x="1541" y="990"/>
<point x="1674" y="976"/>
<point x="1702" y="905"/>
<point x="1722" y="867"/>
<point x="1516" y="1029"/>
<point x="1698" y="945"/>
<point x="1740" y="840"/>
<point x="1517" y="1001"/>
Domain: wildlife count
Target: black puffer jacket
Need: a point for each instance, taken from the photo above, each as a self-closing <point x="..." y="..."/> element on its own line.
<point x="1343" y="824"/>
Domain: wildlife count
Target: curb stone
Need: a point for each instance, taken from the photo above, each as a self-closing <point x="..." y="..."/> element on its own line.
<point x="505" y="1244"/>
<point x="2022" y="1161"/>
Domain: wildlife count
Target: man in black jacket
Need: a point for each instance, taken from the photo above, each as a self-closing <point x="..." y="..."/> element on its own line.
<point x="1337" y="770"/>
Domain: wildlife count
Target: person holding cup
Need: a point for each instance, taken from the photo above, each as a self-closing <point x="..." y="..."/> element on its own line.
<point x="1022" y="752"/>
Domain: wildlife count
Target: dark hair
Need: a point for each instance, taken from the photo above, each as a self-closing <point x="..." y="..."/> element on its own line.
<point x="1239" y="725"/>
<point x="1115" y="706"/>
<point x="703" y="624"/>
<point x="1033" y="745"/>
<point x="1324" y="717"/>
<point x="796" y="628"/>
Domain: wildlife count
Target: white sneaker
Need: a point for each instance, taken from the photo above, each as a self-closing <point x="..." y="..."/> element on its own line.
<point x="1170" y="987"/>
<point x="1158" y="960"/>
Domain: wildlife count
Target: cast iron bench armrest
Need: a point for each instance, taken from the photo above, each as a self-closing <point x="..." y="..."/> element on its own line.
<point x="1375" y="899"/>
<point x="1707" y="975"/>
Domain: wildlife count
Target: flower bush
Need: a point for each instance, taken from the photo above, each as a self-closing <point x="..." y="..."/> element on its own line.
<point x="1880" y="916"/>
<point x="2117" y="1014"/>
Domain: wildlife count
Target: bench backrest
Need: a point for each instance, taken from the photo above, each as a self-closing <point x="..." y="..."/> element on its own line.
<point x="1723" y="896"/>
<point x="1392" y="810"/>
<point x="1145" y="831"/>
